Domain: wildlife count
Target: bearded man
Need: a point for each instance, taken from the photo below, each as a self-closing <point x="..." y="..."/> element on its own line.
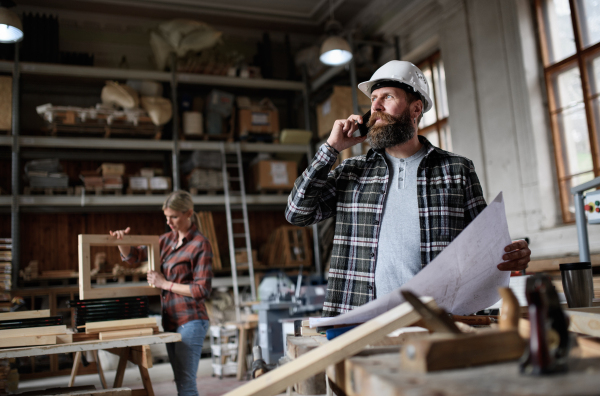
<point x="396" y="207"/>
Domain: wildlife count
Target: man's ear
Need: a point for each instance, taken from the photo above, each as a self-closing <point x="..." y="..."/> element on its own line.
<point x="416" y="108"/>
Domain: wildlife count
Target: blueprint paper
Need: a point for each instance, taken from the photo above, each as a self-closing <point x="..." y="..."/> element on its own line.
<point x="463" y="279"/>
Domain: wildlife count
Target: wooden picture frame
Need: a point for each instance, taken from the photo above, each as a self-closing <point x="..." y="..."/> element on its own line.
<point x="86" y="291"/>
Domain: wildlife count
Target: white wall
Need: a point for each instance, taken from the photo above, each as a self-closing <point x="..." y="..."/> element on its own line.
<point x="498" y="113"/>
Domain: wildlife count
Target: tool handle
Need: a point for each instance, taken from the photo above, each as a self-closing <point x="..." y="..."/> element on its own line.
<point x="474" y="320"/>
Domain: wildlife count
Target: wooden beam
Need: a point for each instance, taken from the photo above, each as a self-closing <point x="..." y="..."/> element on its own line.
<point x="336" y="350"/>
<point x="113" y="335"/>
<point x="27" y="341"/>
<point x="43" y="313"/>
<point x="34" y="331"/>
<point x="125" y="324"/>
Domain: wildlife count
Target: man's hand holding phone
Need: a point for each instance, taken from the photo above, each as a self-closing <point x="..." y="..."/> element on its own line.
<point x="341" y="134"/>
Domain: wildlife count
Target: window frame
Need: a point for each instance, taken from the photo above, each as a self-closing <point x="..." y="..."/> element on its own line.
<point x="440" y="123"/>
<point x="579" y="60"/>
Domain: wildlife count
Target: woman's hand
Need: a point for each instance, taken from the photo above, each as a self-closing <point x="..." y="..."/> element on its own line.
<point x="119" y="234"/>
<point x="158" y="280"/>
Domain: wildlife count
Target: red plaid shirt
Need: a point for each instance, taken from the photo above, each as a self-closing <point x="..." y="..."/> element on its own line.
<point x="191" y="264"/>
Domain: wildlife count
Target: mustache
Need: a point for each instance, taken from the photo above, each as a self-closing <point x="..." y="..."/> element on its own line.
<point x="387" y="118"/>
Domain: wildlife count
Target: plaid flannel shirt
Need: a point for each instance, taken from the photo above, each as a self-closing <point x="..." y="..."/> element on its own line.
<point x="191" y="264"/>
<point x="449" y="197"/>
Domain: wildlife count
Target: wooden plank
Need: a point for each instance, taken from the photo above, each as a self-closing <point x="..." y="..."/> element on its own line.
<point x="125" y="324"/>
<point x="336" y="350"/>
<point x="44" y="313"/>
<point x="451" y="351"/>
<point x="113" y="335"/>
<point x="27" y="341"/>
<point x="85" y="241"/>
<point x="33" y="331"/>
<point x="161" y="338"/>
<point x="584" y="321"/>
<point x="58" y="391"/>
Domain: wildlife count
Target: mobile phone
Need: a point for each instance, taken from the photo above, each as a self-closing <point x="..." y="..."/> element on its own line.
<point x="363" y="128"/>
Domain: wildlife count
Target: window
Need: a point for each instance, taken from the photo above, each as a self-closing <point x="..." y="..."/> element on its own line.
<point x="434" y="124"/>
<point x="569" y="32"/>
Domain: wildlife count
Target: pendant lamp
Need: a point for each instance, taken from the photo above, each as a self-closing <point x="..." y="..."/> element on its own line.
<point x="11" y="28"/>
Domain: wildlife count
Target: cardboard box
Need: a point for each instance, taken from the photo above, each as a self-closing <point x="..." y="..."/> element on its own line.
<point x="139" y="183"/>
<point x="260" y="117"/>
<point x="160" y="183"/>
<point x="274" y="175"/>
<point x="339" y="107"/>
<point x="91" y="179"/>
<point x="147" y="172"/>
<point x="109" y="169"/>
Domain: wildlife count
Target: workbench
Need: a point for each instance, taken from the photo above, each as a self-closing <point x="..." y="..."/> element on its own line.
<point x="382" y="375"/>
<point x="376" y="370"/>
<point x="128" y="349"/>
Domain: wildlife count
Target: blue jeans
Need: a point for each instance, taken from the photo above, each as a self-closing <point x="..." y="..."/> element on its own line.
<point x="185" y="356"/>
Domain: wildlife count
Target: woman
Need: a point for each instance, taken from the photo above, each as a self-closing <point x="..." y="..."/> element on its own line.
<point x="185" y="276"/>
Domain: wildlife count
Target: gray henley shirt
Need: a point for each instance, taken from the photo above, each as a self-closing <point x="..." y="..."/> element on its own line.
<point x="399" y="248"/>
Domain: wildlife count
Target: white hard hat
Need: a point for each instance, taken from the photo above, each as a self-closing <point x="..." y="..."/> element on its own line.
<point x="402" y="72"/>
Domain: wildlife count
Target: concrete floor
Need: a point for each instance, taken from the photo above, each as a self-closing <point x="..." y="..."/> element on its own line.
<point x="161" y="375"/>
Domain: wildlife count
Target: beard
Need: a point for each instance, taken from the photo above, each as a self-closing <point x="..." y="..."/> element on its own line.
<point x="393" y="131"/>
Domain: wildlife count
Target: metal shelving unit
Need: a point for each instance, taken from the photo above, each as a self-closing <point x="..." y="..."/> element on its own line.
<point x="175" y="146"/>
<point x="125" y="74"/>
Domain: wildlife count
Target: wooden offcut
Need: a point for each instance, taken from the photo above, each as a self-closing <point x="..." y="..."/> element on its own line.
<point x="34" y="331"/>
<point x="22" y="341"/>
<point x="43" y="313"/>
<point x="336" y="350"/>
<point x="119" y="325"/>
<point x="452" y="351"/>
<point x="113" y="335"/>
<point x="584" y="320"/>
<point x="86" y="291"/>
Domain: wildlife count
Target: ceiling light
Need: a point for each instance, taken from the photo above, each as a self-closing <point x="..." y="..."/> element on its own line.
<point x="11" y="28"/>
<point x="335" y="50"/>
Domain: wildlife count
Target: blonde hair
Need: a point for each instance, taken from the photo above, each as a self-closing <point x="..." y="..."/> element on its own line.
<point x="181" y="201"/>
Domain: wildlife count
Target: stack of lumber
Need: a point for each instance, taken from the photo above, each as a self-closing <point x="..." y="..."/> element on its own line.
<point x="29" y="328"/>
<point x="99" y="310"/>
<point x="116" y="329"/>
<point x="5" y="273"/>
<point x="207" y="226"/>
<point x="289" y="246"/>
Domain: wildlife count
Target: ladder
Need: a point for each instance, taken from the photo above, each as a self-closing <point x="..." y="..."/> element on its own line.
<point x="236" y="209"/>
